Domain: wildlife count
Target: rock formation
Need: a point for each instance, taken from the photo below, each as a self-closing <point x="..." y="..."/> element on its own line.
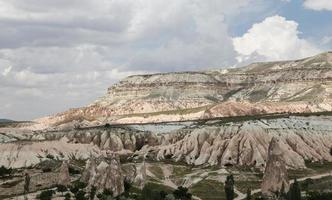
<point x="64" y="177"/>
<point x="254" y="103"/>
<point x="274" y="87"/>
<point x="140" y="178"/>
<point x="106" y="175"/>
<point x="212" y="142"/>
<point x="275" y="175"/>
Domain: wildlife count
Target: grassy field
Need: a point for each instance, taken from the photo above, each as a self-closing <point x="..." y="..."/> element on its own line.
<point x="209" y="190"/>
<point x="157" y="171"/>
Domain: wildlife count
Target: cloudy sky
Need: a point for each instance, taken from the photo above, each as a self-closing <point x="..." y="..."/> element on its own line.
<point x="58" y="54"/>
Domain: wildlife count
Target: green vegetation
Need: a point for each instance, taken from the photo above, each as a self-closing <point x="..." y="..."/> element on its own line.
<point x="321" y="184"/>
<point x="229" y="187"/>
<point x="248" y="197"/>
<point x="169" y="112"/>
<point x="315" y="195"/>
<point x="180" y="171"/>
<point x="243" y="185"/>
<point x="26" y="183"/>
<point x="93" y="191"/>
<point x="319" y="167"/>
<point x="294" y="191"/>
<point x="182" y="193"/>
<point x="67" y="196"/>
<point x="61" y="188"/>
<point x="209" y="190"/>
<point x="46" y="195"/>
<point x="157" y="171"/>
<point x="5" y="171"/>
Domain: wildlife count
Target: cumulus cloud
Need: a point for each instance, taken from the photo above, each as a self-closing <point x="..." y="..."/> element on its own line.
<point x="71" y="51"/>
<point x="318" y="4"/>
<point x="60" y="54"/>
<point x="275" y="38"/>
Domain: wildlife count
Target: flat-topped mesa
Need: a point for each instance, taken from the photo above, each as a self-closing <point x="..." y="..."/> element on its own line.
<point x="287" y="86"/>
<point x="313" y="68"/>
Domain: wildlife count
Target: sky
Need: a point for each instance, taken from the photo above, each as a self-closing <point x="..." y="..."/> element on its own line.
<point x="61" y="54"/>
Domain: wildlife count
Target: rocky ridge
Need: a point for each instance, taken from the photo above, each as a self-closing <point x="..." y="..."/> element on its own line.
<point x="289" y="86"/>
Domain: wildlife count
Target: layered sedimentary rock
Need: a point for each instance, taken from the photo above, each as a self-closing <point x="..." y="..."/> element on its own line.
<point x="275" y="175"/>
<point x="290" y="86"/>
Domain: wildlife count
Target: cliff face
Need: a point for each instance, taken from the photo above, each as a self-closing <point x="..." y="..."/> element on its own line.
<point x="296" y="86"/>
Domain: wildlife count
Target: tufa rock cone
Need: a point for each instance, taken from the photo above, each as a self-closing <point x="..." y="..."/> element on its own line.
<point x="275" y="175"/>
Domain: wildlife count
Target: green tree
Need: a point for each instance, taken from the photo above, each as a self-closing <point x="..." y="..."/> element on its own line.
<point x="93" y="192"/>
<point x="295" y="191"/>
<point x="5" y="171"/>
<point x="282" y="194"/>
<point x="182" y="193"/>
<point x="127" y="186"/>
<point x="107" y="194"/>
<point x="61" y="188"/>
<point x="248" y="194"/>
<point x="67" y="196"/>
<point x="26" y="183"/>
<point x="229" y="187"/>
<point x="46" y="195"/>
<point x="80" y="195"/>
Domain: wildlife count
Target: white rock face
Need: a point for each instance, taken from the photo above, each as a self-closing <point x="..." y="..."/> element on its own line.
<point x="106" y="175"/>
<point x="246" y="143"/>
<point x="275" y="175"/>
<point x="25" y="154"/>
<point x="211" y="143"/>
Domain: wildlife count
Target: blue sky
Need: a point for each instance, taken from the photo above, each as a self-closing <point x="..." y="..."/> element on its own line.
<point x="313" y="24"/>
<point x="56" y="55"/>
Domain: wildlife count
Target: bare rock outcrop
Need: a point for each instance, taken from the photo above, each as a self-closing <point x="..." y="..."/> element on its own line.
<point x="246" y="143"/>
<point x="141" y="177"/>
<point x="275" y="175"/>
<point x="64" y="177"/>
<point x="106" y="175"/>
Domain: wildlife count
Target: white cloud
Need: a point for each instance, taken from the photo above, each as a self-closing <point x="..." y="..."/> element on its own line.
<point x="73" y="50"/>
<point x="318" y="4"/>
<point x="275" y="38"/>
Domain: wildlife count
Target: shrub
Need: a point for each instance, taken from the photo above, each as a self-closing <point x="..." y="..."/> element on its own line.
<point x="80" y="195"/>
<point x="318" y="196"/>
<point x="182" y="193"/>
<point x="67" y="196"/>
<point x="73" y="171"/>
<point x="93" y="192"/>
<point x="5" y="171"/>
<point x="50" y="156"/>
<point x="61" y="188"/>
<point x="46" y="195"/>
<point x="46" y="170"/>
